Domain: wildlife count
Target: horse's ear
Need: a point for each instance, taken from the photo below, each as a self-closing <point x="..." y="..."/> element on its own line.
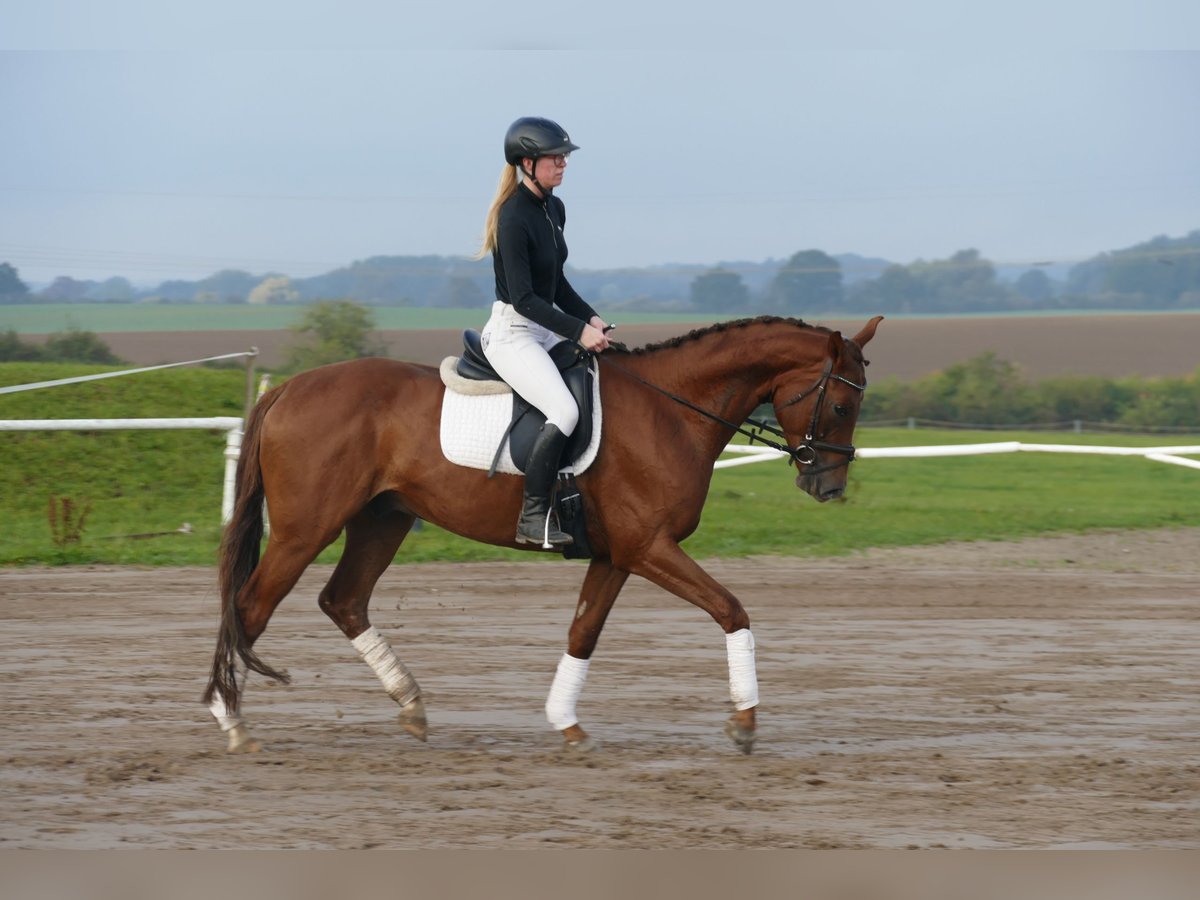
<point x="868" y="331"/>
<point x="837" y="344"/>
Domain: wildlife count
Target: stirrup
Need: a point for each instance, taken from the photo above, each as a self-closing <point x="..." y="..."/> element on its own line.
<point x="550" y="535"/>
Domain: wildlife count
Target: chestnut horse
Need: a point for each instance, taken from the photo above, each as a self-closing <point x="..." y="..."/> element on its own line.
<point x="353" y="447"/>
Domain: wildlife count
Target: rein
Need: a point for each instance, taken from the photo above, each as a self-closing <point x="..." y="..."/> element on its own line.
<point x="804" y="453"/>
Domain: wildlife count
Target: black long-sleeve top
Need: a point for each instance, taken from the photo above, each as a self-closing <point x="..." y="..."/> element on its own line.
<point x="528" y="261"/>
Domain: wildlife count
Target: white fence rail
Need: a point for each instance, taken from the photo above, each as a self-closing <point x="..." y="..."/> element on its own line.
<point x="746" y="455"/>
<point x="1174" y="455"/>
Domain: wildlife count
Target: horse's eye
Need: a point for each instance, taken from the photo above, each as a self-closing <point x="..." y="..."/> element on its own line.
<point x="841" y="410"/>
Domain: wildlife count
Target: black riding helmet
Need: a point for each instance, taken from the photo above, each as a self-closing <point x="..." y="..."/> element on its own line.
<point x="533" y="138"/>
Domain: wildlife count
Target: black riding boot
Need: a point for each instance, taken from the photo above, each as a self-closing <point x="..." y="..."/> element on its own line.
<point x="538" y="524"/>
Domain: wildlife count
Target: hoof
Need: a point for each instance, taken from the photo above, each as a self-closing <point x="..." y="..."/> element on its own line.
<point x="742" y="737"/>
<point x="576" y="740"/>
<point x="412" y="720"/>
<point x="241" y="742"/>
<point x="585" y="745"/>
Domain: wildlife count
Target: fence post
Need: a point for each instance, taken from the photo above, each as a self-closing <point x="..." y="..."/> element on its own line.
<point x="1078" y="426"/>
<point x="912" y="423"/>
<point x="233" y="449"/>
<point x="250" y="398"/>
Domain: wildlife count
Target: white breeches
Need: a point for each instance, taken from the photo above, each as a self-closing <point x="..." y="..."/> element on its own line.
<point x="518" y="349"/>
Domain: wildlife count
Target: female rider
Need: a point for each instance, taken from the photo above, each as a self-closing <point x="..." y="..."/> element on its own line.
<point x="536" y="307"/>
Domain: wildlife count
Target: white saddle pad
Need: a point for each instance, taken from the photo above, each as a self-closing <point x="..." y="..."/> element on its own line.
<point x="473" y="423"/>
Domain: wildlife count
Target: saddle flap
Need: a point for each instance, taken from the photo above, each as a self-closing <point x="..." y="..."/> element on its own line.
<point x="527" y="421"/>
<point x="566" y="355"/>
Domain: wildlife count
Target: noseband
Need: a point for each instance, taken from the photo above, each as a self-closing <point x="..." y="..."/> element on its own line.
<point x="805" y="452"/>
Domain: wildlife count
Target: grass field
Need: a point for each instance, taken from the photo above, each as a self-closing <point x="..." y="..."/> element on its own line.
<point x="136" y="481"/>
<point x="149" y="482"/>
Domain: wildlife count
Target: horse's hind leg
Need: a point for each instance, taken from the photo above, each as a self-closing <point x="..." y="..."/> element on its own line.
<point x="371" y="542"/>
<point x="600" y="588"/>
<point x="277" y="572"/>
<point x="230" y="720"/>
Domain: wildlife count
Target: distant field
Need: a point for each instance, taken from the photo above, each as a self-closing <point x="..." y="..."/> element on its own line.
<point x="1109" y="345"/>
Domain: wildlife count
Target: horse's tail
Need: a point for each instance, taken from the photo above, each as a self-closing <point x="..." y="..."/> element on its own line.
<point x="238" y="558"/>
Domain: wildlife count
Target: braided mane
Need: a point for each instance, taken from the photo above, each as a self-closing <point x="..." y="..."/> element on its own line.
<point x="718" y="327"/>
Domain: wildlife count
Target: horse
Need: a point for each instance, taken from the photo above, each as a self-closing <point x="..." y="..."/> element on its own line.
<point x="352" y="447"/>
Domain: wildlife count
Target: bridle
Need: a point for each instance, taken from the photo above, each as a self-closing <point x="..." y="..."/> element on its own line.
<point x="805" y="452"/>
<point x="810" y="445"/>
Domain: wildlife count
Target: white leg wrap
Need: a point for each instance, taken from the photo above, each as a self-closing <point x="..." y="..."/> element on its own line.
<point x="743" y="676"/>
<point x="567" y="686"/>
<point x="379" y="655"/>
<point x="227" y="718"/>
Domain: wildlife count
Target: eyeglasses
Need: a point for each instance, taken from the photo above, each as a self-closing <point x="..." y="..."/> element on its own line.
<point x="559" y="159"/>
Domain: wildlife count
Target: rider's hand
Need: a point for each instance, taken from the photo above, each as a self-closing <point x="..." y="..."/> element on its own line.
<point x="593" y="339"/>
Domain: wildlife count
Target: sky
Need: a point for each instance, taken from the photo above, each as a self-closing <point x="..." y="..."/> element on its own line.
<point x="174" y="140"/>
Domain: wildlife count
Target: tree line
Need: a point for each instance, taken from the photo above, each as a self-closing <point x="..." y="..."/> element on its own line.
<point x="73" y="345"/>
<point x="1161" y="274"/>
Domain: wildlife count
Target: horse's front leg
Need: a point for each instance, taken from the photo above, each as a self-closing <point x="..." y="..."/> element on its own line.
<point x="665" y="564"/>
<point x="743" y="687"/>
<point x="600" y="588"/>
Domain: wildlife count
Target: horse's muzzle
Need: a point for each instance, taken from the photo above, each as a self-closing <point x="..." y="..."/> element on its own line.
<point x="817" y="488"/>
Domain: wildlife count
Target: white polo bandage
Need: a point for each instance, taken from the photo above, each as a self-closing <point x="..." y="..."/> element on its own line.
<point x="227" y="718"/>
<point x="565" y="691"/>
<point x="379" y="655"/>
<point x="743" y="676"/>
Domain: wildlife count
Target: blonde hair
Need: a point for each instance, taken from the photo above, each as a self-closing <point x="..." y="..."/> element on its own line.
<point x="505" y="189"/>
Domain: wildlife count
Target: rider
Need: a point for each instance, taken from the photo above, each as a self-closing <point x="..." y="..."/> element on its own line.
<point x="536" y="307"/>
